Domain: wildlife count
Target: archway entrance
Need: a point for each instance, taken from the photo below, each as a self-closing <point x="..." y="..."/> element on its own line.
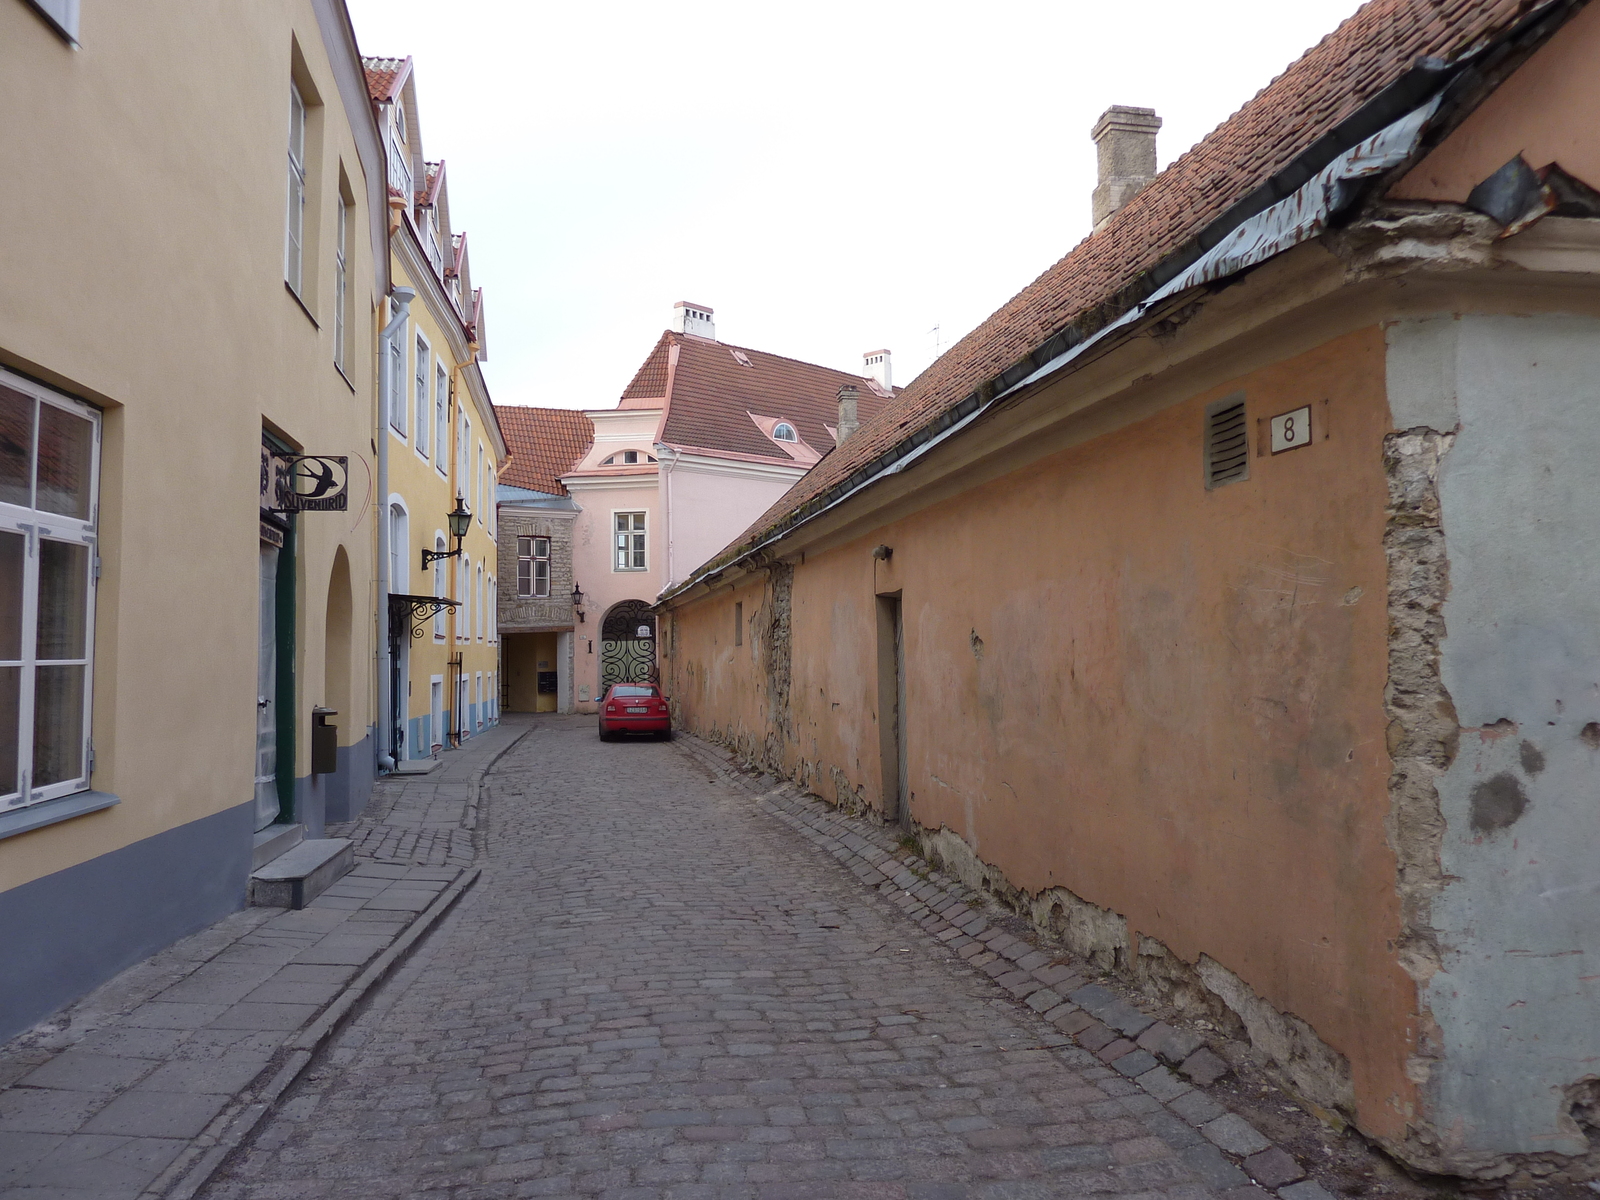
<point x="628" y="645"/>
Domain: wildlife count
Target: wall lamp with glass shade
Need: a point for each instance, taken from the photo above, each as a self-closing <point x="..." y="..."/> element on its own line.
<point x="460" y="520"/>
<point x="577" y="602"/>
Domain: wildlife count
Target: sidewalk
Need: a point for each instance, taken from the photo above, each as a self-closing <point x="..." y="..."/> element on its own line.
<point x="143" y="1086"/>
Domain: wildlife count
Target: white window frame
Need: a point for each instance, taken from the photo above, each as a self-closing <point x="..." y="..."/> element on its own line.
<point x="463" y="453"/>
<point x="477" y="607"/>
<point x="399" y="513"/>
<point x="295" y="221"/>
<point x="479" y="684"/>
<point x="419" y="379"/>
<point x="529" y="583"/>
<point x="462" y="580"/>
<point x="36" y="525"/>
<point x="794" y="434"/>
<point x="441" y="418"/>
<point x="639" y="541"/>
<point x="341" y="287"/>
<point x="477" y="485"/>
<point x="398" y="402"/>
<point x="438" y="583"/>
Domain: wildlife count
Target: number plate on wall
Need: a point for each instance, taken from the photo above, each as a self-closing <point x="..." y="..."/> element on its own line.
<point x="1291" y="430"/>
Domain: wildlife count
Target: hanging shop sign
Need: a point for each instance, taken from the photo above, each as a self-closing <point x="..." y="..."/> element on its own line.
<point x="292" y="483"/>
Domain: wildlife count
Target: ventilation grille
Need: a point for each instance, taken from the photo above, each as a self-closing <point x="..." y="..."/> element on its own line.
<point x="1227" y="443"/>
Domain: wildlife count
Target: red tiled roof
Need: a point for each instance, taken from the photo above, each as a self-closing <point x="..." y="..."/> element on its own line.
<point x="1326" y="86"/>
<point x="545" y="443"/>
<point x="385" y="77"/>
<point x="713" y="395"/>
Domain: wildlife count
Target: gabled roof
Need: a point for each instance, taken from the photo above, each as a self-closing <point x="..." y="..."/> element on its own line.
<point x="386" y="76"/>
<point x="716" y="389"/>
<point x="1401" y="48"/>
<point x="545" y="443"/>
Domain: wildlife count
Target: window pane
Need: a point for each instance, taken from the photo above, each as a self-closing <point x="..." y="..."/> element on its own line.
<point x="10" y="685"/>
<point x="57" y="724"/>
<point x="541" y="548"/>
<point x="66" y="452"/>
<point x="16" y="446"/>
<point x="12" y="546"/>
<point x="63" y="599"/>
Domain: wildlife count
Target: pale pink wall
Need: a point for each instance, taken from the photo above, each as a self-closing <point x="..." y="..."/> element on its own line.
<point x="710" y="511"/>
<point x="593" y="569"/>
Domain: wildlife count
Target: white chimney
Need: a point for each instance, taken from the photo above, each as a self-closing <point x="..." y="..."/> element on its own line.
<point x="877" y="367"/>
<point x="1125" y="145"/>
<point x="688" y="317"/>
<point x="847" y="414"/>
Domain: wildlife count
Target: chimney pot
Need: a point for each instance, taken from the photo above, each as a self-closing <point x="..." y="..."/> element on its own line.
<point x="876" y="365"/>
<point x="689" y="317"/>
<point x="1125" y="147"/>
<point x="848" y="423"/>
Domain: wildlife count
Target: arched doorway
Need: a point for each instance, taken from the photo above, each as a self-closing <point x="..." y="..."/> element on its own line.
<point x="628" y="644"/>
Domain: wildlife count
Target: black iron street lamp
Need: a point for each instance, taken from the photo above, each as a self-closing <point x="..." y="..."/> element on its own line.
<point x="460" y="520"/>
<point x="577" y="602"/>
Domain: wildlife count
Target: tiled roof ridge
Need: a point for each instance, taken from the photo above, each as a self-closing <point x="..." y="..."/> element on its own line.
<point x="781" y="357"/>
<point x="1103" y="274"/>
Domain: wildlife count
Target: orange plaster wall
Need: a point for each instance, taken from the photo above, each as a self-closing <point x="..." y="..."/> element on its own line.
<point x="1177" y="707"/>
<point x="1545" y="112"/>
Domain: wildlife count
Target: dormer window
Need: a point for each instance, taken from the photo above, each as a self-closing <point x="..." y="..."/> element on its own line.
<point x="627" y="458"/>
<point x="400" y="121"/>
<point x="784" y="432"/>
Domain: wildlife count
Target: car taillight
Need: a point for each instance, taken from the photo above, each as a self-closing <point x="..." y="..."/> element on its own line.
<point x="611" y="708"/>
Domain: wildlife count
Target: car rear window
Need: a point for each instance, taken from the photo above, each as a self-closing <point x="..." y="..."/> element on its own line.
<point x="634" y="691"/>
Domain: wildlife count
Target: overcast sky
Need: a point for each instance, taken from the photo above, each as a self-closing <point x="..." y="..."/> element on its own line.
<point x="829" y="177"/>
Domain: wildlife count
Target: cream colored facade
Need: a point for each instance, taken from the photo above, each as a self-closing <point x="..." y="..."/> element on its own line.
<point x="149" y="274"/>
<point x="443" y="444"/>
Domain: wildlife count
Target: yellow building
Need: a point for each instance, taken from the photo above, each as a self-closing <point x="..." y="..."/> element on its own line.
<point x="187" y="301"/>
<point x="439" y="454"/>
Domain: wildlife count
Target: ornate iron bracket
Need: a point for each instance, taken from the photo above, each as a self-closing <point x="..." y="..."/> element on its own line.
<point x="413" y="613"/>
<point x="428" y="556"/>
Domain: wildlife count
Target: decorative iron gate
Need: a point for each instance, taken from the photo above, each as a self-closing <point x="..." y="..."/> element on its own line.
<point x="628" y="645"/>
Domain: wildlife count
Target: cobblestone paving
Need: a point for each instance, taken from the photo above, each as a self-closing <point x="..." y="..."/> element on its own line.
<point x="657" y="990"/>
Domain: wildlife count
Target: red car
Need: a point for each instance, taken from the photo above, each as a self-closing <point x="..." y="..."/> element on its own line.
<point x="634" y="708"/>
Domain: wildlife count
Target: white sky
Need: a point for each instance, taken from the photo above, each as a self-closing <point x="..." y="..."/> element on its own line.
<point x="830" y="177"/>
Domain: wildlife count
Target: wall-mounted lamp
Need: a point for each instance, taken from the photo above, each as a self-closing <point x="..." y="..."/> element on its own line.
<point x="577" y="602"/>
<point x="460" y="520"/>
<point x="883" y="553"/>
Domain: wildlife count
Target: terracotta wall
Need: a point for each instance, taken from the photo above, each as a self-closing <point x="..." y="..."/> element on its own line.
<point x="1167" y="700"/>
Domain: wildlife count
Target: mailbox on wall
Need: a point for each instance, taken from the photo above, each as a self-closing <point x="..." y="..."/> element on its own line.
<point x="324" y="742"/>
<point x="547" y="681"/>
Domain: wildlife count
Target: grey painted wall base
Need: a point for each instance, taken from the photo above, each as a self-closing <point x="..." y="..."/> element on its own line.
<point x="322" y="800"/>
<point x="66" y="934"/>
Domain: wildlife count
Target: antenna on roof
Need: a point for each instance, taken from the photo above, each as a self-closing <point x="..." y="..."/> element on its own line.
<point x="937" y="340"/>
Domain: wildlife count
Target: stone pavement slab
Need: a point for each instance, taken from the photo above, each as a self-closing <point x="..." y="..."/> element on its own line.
<point x="657" y="990"/>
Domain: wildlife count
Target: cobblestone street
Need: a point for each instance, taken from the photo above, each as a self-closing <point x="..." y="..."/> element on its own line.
<point x="657" y="989"/>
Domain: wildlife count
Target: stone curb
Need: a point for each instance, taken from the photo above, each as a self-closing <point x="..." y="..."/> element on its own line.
<point x="192" y="1169"/>
<point x="1125" y="1051"/>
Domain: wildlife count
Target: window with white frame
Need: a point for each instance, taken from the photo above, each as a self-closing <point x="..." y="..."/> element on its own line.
<point x="341" y="287"/>
<point x="49" y="468"/>
<point x="399" y="160"/>
<point x="397" y="384"/>
<point x="630" y="541"/>
<point x="463" y="434"/>
<point x="438" y="586"/>
<point x="463" y="596"/>
<point x="477" y="485"/>
<point x="784" y="432"/>
<point x="420" y="383"/>
<point x="441" y="418"/>
<point x="477" y="622"/>
<point x="294" y="232"/>
<point x="494" y="610"/>
<point x="533" y="567"/>
<point x="399" y="549"/>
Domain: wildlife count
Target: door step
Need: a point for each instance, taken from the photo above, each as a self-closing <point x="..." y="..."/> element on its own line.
<point x="414" y="766"/>
<point x="273" y="841"/>
<point x="296" y="878"/>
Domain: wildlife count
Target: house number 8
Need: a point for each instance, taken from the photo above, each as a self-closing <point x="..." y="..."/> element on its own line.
<point x="1291" y="430"/>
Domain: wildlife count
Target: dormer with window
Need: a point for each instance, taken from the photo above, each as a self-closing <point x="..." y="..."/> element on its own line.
<point x="784" y="432"/>
<point x="627" y="458"/>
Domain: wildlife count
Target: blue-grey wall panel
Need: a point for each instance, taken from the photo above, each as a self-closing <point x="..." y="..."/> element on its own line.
<point x="65" y="934"/>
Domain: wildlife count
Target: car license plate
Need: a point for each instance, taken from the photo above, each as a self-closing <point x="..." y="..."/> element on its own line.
<point x="638" y="709"/>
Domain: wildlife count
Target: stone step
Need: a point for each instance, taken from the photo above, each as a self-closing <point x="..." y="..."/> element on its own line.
<point x="273" y="841"/>
<point x="295" y="879"/>
<point x="414" y="766"/>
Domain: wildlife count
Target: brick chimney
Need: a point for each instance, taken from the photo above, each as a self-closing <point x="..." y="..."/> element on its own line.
<point x="1125" y="145"/>
<point x="688" y="317"/>
<point x="848" y="423"/>
<point x="875" y="363"/>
